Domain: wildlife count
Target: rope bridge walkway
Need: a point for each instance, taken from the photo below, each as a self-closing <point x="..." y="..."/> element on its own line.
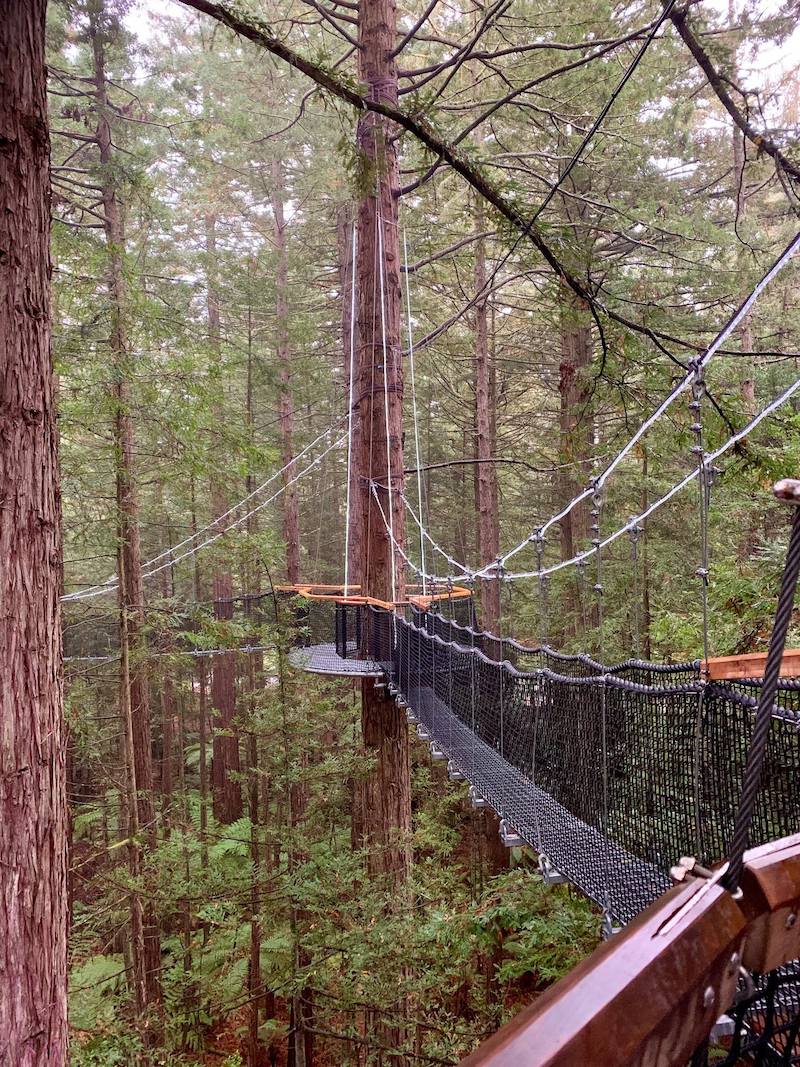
<point x="610" y="773"/>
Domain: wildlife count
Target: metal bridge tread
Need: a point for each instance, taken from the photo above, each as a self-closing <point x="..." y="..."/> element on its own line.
<point x="608" y="874"/>
<point x="323" y="659"/>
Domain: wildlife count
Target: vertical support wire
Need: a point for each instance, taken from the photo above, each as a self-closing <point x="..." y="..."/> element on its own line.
<point x="450" y="665"/>
<point x="704" y="492"/>
<point x="472" y="661"/>
<point x="350" y="409"/>
<point x="386" y="396"/>
<point x="583" y="592"/>
<point x="500" y="579"/>
<point x="416" y="421"/>
<point x="597" y="505"/>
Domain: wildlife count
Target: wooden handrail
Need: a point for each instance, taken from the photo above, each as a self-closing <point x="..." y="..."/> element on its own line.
<point x="649" y="996"/>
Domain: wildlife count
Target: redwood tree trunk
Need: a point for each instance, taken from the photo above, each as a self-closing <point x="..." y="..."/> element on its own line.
<point x="291" y="515"/>
<point x="344" y="240"/>
<point x="576" y="436"/>
<point x="387" y="789"/>
<point x="486" y="473"/>
<point x="33" y="822"/>
<point x="136" y="702"/>
<point x="227" y="793"/>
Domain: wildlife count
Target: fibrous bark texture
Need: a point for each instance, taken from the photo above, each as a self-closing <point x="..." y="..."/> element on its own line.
<point x="33" y="823"/>
<point x="485" y="471"/>
<point x="387" y="790"/>
<point x="291" y="511"/>
<point x="227" y="793"/>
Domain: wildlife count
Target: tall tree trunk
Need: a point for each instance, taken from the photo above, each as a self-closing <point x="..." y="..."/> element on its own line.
<point x="745" y="365"/>
<point x="291" y="515"/>
<point x="486" y="502"/>
<point x="576" y="436"/>
<point x="344" y="242"/>
<point x="168" y="707"/>
<point x="227" y="793"/>
<point x="131" y="591"/>
<point x="202" y="706"/>
<point x="167" y="695"/>
<point x="488" y="533"/>
<point x="387" y="789"/>
<point x="33" y="812"/>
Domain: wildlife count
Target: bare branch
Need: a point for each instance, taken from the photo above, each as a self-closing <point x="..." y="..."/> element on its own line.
<point x="762" y="142"/>
<point x="420" y="21"/>
<point x="424" y="131"/>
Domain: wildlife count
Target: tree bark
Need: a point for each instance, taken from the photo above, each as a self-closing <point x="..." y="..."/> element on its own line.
<point x="387" y="789"/>
<point x="488" y="533"/>
<point x="33" y="811"/>
<point x="291" y="514"/>
<point x="344" y="241"/>
<point x="576" y="436"/>
<point x="227" y="793"/>
<point x="136" y="703"/>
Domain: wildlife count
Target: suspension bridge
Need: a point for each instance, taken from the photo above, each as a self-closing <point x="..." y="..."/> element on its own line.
<point x="623" y="778"/>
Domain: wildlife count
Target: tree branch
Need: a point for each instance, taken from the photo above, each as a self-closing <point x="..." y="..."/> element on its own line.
<point x="716" y="81"/>
<point x="260" y="33"/>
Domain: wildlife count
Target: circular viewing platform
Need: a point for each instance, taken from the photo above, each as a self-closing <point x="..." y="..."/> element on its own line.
<point x="323" y="659"/>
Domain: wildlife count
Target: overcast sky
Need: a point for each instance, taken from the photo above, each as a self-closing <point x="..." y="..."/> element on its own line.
<point x="764" y="69"/>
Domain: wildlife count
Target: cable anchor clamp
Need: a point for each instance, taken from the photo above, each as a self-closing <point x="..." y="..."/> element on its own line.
<point x="688" y="867"/>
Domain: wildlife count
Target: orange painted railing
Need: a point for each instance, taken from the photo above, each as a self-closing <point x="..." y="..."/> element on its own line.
<point x="313" y="591"/>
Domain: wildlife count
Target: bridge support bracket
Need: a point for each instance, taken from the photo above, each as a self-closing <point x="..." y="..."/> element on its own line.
<point x="550" y="876"/>
<point x="453" y="773"/>
<point x="725" y="1026"/>
<point x="608" y="927"/>
<point x="509" y="837"/>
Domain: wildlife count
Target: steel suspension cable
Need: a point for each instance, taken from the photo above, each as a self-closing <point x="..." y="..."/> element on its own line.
<point x="101" y="590"/>
<point x="695" y="366"/>
<point x="111" y="582"/>
<point x="678" y="487"/>
<point x="488" y="570"/>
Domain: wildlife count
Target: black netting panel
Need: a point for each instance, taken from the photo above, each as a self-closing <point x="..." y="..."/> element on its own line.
<point x="762" y="1028"/>
<point x="578" y="665"/>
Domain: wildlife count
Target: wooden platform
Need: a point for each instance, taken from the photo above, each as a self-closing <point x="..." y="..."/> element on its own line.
<point x="750" y="665"/>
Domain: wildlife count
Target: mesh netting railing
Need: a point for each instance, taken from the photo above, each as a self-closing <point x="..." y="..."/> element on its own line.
<point x="611" y="779"/>
<point x="535" y="657"/>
